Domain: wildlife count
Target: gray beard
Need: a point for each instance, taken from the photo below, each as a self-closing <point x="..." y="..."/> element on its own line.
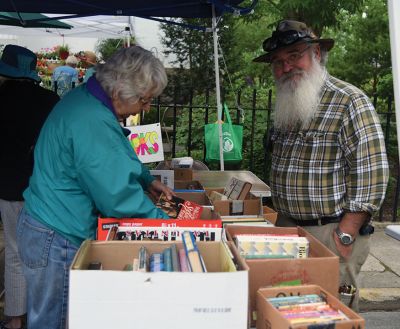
<point x="297" y="101"/>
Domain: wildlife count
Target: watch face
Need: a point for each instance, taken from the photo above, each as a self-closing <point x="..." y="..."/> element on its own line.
<point x="346" y="239"/>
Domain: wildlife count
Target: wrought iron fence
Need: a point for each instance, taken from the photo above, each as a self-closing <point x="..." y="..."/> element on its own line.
<point x="252" y="107"/>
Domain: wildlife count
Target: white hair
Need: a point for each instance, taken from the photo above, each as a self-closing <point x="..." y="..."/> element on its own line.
<point x="297" y="101"/>
<point x="71" y="60"/>
<point x="131" y="73"/>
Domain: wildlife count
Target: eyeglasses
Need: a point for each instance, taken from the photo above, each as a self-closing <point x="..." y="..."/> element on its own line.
<point x="292" y="59"/>
<point x="280" y="39"/>
<point x="145" y="101"/>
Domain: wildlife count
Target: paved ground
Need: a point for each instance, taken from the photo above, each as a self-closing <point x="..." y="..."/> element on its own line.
<point x="380" y="275"/>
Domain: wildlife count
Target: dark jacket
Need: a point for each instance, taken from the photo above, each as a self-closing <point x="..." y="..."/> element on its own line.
<point x="24" y="108"/>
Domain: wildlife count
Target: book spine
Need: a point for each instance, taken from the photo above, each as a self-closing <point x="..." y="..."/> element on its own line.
<point x="156" y="262"/>
<point x="167" y="256"/>
<point x="175" y="258"/>
<point x="192" y="253"/>
<point x="143" y="259"/>
<point x="183" y="262"/>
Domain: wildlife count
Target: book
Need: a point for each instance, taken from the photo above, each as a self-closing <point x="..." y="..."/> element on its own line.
<point x="156" y="262"/>
<point x="168" y="233"/>
<point x="195" y="261"/>
<point x="179" y="208"/>
<point x="307" y="309"/>
<point x="105" y="224"/>
<point x="237" y="189"/>
<point x="175" y="258"/>
<point x="167" y="256"/>
<point x="183" y="264"/>
<point x="271" y="246"/>
<point x="142" y="259"/>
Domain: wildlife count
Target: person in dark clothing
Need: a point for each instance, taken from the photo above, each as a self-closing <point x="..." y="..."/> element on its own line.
<point x="25" y="106"/>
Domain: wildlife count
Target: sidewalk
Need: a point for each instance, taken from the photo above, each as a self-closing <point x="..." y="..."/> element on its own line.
<point x="380" y="275"/>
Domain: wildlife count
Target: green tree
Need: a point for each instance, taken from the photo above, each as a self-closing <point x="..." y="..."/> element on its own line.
<point x="107" y="47"/>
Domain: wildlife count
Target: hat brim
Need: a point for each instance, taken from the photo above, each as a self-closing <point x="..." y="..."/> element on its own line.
<point x="12" y="72"/>
<point x="326" y="44"/>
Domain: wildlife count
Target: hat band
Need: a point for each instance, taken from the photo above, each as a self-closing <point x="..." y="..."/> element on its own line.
<point x="280" y="39"/>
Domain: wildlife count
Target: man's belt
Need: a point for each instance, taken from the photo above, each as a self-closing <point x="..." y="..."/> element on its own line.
<point x="317" y="222"/>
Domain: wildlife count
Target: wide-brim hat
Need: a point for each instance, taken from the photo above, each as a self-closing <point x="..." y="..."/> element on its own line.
<point x="288" y="33"/>
<point x="18" y="62"/>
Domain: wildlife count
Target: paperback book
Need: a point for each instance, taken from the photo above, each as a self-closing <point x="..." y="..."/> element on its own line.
<point x="179" y="208"/>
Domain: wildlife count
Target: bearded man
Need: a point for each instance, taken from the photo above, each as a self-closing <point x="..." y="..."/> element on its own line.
<point x="329" y="166"/>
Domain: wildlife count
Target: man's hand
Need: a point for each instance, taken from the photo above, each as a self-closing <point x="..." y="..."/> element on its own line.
<point x="350" y="224"/>
<point x="156" y="188"/>
<point x="344" y="251"/>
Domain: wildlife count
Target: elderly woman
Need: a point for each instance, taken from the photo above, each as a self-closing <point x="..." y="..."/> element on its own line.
<point x="85" y="166"/>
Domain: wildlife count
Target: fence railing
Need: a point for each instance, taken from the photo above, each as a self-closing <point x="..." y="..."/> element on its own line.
<point x="260" y="116"/>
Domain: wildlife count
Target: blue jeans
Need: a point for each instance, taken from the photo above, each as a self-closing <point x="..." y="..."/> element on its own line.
<point x="46" y="258"/>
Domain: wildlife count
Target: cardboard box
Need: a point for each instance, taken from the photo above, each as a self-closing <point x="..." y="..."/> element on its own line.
<point x="269" y="317"/>
<point x="188" y="186"/>
<point x="251" y="206"/>
<point x="200" y="198"/>
<point x="183" y="174"/>
<point x="321" y="267"/>
<point x="112" y="298"/>
<point x="270" y="214"/>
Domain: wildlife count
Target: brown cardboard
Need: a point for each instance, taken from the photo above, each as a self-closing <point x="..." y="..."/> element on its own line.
<point x="321" y="267"/>
<point x="188" y="185"/>
<point x="200" y="198"/>
<point x="269" y="317"/>
<point x="106" y="251"/>
<point x="183" y="174"/>
<point x="251" y="205"/>
<point x="270" y="214"/>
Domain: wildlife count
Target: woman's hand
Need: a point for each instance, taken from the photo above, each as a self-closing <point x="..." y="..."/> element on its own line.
<point x="156" y="188"/>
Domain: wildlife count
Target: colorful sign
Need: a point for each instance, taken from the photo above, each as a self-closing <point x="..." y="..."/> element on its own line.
<point x="146" y="140"/>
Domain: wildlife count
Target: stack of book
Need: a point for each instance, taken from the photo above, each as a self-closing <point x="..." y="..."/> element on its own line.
<point x="307" y="309"/>
<point x="272" y="245"/>
<point x="171" y="259"/>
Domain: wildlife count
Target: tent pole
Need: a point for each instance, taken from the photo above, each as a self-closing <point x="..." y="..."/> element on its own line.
<point x="394" y="29"/>
<point x="217" y="87"/>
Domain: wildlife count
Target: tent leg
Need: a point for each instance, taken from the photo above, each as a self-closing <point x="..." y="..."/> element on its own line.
<point x="217" y="87"/>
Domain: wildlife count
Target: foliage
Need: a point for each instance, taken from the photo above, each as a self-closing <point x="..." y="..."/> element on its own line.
<point x="107" y="47"/>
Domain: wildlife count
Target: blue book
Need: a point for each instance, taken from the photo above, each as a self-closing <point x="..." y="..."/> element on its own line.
<point x="167" y="255"/>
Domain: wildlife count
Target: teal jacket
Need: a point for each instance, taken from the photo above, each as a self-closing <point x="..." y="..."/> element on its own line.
<point x="85" y="166"/>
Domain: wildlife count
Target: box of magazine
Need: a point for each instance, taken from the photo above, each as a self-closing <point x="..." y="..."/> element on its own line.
<point x="321" y="267"/>
<point x="303" y="307"/>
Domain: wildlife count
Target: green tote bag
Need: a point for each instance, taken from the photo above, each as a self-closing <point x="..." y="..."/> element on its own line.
<point x="232" y="139"/>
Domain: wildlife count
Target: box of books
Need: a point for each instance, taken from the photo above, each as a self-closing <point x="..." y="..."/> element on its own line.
<point x="321" y="266"/>
<point x="303" y="307"/>
<point x="250" y="206"/>
<point x="147" y="284"/>
<point x="207" y="228"/>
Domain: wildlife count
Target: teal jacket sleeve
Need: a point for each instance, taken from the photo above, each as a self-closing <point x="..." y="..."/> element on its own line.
<point x="111" y="173"/>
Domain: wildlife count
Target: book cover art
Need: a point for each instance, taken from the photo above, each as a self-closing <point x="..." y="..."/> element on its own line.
<point x="179" y="208"/>
<point x="237" y="189"/>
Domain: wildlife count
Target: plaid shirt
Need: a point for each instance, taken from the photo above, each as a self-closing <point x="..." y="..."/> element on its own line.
<point x="338" y="163"/>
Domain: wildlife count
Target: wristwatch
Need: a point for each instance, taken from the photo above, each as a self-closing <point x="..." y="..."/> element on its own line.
<point x="345" y="238"/>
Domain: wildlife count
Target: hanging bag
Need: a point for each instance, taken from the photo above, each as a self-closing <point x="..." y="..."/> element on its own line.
<point x="232" y="139"/>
